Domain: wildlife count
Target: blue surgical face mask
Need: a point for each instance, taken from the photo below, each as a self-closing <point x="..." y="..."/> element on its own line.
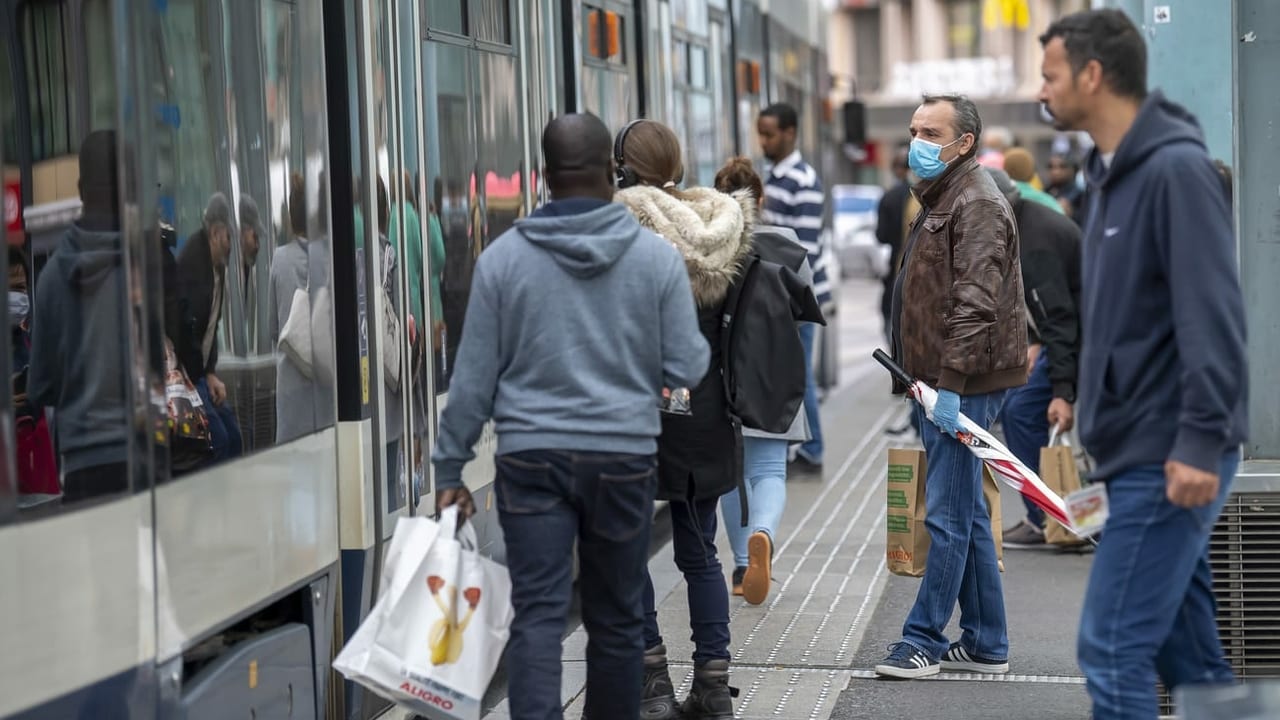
<point x="19" y="308"/>
<point x="924" y="158"/>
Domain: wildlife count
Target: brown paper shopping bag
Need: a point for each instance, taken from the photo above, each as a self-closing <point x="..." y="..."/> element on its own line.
<point x="1059" y="472"/>
<point x="907" y="538"/>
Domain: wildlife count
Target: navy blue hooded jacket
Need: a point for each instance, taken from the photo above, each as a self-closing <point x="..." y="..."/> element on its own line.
<point x="1162" y="371"/>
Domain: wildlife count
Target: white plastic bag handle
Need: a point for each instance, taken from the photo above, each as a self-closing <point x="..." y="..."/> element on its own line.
<point x="1056" y="435"/>
<point x="451" y="526"/>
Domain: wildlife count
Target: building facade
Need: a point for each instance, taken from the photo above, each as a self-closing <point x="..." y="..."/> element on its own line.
<point x="887" y="53"/>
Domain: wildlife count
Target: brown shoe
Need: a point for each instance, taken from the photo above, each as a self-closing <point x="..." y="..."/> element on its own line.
<point x="737" y="580"/>
<point x="755" y="582"/>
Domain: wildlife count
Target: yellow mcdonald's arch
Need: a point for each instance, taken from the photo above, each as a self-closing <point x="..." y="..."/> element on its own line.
<point x="1006" y="13"/>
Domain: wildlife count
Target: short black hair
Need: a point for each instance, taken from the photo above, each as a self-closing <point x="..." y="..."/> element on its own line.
<point x="576" y="142"/>
<point x="99" y="164"/>
<point x="577" y="150"/>
<point x="785" y="115"/>
<point x="1109" y="37"/>
<point x="966" y="120"/>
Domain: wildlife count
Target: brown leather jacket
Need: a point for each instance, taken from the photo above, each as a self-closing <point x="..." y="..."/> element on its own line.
<point x="963" y="325"/>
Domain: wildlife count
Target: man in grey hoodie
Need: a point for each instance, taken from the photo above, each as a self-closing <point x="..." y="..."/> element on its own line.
<point x="578" y="318"/>
<point x="80" y="335"/>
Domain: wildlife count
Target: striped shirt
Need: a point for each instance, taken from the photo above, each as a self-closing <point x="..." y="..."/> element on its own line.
<point x="793" y="198"/>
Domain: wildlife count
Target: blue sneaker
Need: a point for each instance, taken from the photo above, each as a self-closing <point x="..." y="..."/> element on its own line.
<point x="907" y="662"/>
<point x="958" y="659"/>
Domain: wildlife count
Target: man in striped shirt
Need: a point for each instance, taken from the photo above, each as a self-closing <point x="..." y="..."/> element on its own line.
<point x="793" y="198"/>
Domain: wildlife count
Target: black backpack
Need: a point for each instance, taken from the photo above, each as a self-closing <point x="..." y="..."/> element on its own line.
<point x="762" y="358"/>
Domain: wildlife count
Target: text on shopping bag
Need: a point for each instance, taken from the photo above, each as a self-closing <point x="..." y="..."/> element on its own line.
<point x="907" y="538"/>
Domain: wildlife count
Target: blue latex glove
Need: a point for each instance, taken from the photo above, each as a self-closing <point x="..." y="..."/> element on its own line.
<point x="946" y="414"/>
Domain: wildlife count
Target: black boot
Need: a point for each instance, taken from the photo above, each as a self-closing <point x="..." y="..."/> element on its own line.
<point x="710" y="698"/>
<point x="658" y="700"/>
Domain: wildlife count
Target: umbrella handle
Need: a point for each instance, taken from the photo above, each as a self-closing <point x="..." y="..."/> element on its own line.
<point x="894" y="368"/>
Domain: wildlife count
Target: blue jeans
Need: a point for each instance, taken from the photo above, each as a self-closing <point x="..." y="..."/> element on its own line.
<point x="693" y="535"/>
<point x="811" y="450"/>
<point x="1026" y="424"/>
<point x="547" y="499"/>
<point x="962" y="557"/>
<point x="224" y="429"/>
<point x="1149" y="608"/>
<point x="764" y="467"/>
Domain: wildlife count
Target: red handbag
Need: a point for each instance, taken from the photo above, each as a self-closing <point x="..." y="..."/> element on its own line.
<point x="37" y="466"/>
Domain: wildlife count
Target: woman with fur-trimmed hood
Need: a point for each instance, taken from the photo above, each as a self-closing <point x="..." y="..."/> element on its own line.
<point x="699" y="454"/>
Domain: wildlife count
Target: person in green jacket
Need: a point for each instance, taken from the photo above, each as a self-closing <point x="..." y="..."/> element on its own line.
<point x="1021" y="166"/>
<point x="407" y="241"/>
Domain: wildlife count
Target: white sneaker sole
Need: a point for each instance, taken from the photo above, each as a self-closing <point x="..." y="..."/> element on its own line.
<point x="907" y="673"/>
<point x="975" y="667"/>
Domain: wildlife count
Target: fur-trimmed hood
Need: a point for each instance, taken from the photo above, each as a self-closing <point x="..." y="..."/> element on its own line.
<point x="711" y="230"/>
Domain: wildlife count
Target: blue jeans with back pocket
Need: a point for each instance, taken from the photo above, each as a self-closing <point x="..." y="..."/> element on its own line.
<point x="547" y="500"/>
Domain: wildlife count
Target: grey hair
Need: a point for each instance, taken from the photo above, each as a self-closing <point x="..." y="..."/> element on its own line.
<point x="966" y="118"/>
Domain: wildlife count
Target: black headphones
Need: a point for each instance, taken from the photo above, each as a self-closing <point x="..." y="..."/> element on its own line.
<point x="624" y="177"/>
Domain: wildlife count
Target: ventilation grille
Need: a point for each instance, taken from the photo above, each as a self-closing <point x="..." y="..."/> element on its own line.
<point x="251" y="393"/>
<point x="1244" y="553"/>
<point x="1245" y="556"/>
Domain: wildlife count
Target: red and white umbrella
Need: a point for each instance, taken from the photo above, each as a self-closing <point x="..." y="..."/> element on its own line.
<point x="1003" y="463"/>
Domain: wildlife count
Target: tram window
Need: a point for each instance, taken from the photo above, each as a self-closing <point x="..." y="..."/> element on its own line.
<point x="238" y="171"/>
<point x="51" y="96"/>
<point x="8" y="114"/>
<point x="447" y="15"/>
<point x="100" y="63"/>
<point x="500" y="145"/>
<point x="451" y="159"/>
<point x="491" y="20"/>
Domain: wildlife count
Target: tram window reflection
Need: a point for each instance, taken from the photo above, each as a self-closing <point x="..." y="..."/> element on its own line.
<point x="79" y="365"/>
<point x="241" y="177"/>
<point x="451" y="161"/>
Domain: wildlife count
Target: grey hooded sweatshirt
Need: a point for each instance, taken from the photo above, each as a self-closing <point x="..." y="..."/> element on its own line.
<point x="79" y="348"/>
<point x="575" y="324"/>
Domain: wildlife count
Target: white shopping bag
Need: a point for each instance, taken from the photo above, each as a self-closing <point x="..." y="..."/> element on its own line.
<point x="436" y="634"/>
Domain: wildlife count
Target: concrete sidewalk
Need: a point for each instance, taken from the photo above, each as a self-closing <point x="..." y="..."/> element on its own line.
<point x="808" y="651"/>
<point x="1043" y="594"/>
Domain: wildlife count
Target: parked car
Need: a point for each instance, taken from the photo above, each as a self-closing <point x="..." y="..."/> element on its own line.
<point x="853" y="225"/>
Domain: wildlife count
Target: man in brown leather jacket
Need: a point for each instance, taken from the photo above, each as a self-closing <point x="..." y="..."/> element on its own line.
<point x="960" y="325"/>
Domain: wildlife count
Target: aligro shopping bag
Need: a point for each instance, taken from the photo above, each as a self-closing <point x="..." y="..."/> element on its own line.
<point x="907" y="538"/>
<point x="435" y="637"/>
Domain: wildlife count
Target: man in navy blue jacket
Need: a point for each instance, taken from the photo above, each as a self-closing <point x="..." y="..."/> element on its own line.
<point x="1162" y="384"/>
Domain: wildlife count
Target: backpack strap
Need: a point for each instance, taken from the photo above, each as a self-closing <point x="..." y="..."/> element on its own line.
<point x="727" y="316"/>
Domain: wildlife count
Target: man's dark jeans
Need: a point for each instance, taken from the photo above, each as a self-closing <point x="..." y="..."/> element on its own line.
<point x="224" y="429"/>
<point x="1025" y="419"/>
<point x="547" y="500"/>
